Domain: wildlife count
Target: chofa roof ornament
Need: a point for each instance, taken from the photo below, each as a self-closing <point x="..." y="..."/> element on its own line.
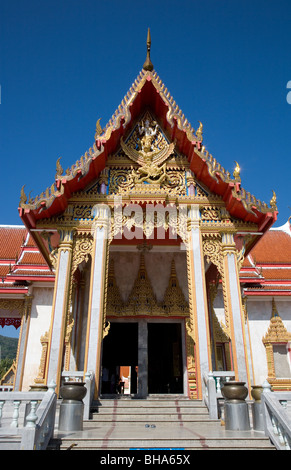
<point x="148" y="64"/>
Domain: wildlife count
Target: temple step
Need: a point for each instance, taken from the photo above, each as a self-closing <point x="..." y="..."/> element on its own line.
<point x="126" y="424"/>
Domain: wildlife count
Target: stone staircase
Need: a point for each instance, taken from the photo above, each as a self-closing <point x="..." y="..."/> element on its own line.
<point x="157" y="423"/>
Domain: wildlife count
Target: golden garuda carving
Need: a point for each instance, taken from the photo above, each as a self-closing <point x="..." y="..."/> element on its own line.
<point x="150" y="158"/>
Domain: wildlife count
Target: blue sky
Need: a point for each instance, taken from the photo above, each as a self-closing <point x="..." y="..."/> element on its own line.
<point x="65" y="63"/>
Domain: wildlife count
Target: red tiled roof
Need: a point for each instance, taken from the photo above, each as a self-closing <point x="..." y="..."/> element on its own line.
<point x="20" y="257"/>
<point x="277" y="274"/>
<point x="31" y="257"/>
<point x="11" y="239"/>
<point x="4" y="270"/>
<point x="273" y="248"/>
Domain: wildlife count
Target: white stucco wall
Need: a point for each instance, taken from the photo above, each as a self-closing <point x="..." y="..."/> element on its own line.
<point x="39" y="325"/>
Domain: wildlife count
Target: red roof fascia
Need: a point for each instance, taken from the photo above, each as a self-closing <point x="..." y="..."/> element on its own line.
<point x="12" y="290"/>
<point x="270" y="293"/>
<point x="32" y="277"/>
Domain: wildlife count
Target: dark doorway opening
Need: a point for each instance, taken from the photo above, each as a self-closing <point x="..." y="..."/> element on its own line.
<point x="119" y="358"/>
<point x="165" y="365"/>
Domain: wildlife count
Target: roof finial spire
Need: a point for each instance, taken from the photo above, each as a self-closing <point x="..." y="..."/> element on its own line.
<point x="148" y="64"/>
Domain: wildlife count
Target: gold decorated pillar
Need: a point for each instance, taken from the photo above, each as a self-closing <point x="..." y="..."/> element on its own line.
<point x="60" y="307"/>
<point x="199" y="324"/>
<point x="97" y="294"/>
<point x="234" y="308"/>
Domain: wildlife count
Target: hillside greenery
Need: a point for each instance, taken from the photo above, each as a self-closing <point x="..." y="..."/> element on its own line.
<point x="8" y="350"/>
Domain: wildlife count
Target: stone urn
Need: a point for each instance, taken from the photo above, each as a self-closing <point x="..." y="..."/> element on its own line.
<point x="72" y="406"/>
<point x="256" y="392"/>
<point x="234" y="391"/>
<point x="72" y="391"/>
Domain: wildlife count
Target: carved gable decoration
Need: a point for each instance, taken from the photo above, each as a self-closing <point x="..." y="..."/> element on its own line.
<point x="147" y="163"/>
<point x="174" y="300"/>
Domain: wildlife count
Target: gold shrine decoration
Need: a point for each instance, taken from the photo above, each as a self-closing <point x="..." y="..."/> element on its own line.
<point x="142" y="300"/>
<point x="212" y="250"/>
<point x="21" y="306"/>
<point x="168" y="182"/>
<point x="40" y="379"/>
<point x="236" y="173"/>
<point x="148" y="148"/>
<point x="277" y="333"/>
<point x="82" y="250"/>
<point x="190" y="333"/>
<point x="156" y="216"/>
<point x="12" y="305"/>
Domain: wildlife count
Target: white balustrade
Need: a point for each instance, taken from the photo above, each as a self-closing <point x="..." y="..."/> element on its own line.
<point x="277" y="422"/>
<point x="29" y="415"/>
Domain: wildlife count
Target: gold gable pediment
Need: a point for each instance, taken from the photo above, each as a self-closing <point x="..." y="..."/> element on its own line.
<point x="147" y="163"/>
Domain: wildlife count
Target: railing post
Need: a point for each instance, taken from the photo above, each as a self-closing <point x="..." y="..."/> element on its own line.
<point x="266" y="387"/>
<point x="32" y="417"/>
<point x="52" y="386"/>
<point x="14" y="423"/>
<point x="212" y="399"/>
<point x="1" y="409"/>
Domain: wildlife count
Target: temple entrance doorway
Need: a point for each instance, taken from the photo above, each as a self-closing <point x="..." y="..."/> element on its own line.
<point x="165" y="364"/>
<point x="143" y="357"/>
<point x="120" y="359"/>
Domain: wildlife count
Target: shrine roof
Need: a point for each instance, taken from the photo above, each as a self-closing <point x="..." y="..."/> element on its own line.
<point x="20" y="258"/>
<point x="267" y="268"/>
<point x="147" y="92"/>
<point x="278" y="274"/>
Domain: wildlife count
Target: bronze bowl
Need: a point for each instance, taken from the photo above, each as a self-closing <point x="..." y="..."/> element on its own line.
<point x="233" y="390"/>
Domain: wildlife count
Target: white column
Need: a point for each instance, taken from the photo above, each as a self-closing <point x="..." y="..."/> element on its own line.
<point x="22" y="345"/>
<point x="197" y="291"/>
<point x="235" y="309"/>
<point x="60" y="307"/>
<point x="97" y="290"/>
